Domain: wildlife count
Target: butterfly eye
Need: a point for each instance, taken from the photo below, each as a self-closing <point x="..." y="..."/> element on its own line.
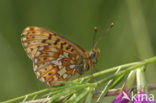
<point x="92" y="55"/>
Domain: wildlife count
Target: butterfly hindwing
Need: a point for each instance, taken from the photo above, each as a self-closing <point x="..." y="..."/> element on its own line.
<point x="54" y="57"/>
<point x="52" y="64"/>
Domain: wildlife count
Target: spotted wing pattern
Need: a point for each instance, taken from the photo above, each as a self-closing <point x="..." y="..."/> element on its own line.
<point x="54" y="57"/>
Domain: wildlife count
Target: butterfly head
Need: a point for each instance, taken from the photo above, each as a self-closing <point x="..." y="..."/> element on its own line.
<point x="93" y="55"/>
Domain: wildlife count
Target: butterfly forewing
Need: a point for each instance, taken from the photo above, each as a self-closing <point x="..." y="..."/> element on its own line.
<point x="54" y="57"/>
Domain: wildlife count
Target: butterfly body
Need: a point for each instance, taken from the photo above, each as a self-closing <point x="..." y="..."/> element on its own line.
<point x="54" y="57"/>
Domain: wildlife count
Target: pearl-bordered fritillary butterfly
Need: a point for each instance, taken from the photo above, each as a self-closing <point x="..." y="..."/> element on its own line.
<point x="54" y="57"/>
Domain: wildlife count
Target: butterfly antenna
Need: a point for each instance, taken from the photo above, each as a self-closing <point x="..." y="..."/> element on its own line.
<point x="100" y="38"/>
<point x="94" y="36"/>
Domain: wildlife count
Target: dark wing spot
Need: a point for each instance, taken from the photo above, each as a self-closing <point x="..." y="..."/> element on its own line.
<point x="38" y="46"/>
<point x="62" y="44"/>
<point x="54" y="34"/>
<point x="44" y="58"/>
<point x="43" y="41"/>
<point x="66" y="60"/>
<point x="49" y="43"/>
<point x="49" y="74"/>
<point x="31" y="28"/>
<point x="31" y="49"/>
<point x="72" y="50"/>
<point x="68" y="47"/>
<point x="50" y="35"/>
<point x="58" y="40"/>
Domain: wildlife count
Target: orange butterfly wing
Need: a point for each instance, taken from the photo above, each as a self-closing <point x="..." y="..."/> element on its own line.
<point x="54" y="57"/>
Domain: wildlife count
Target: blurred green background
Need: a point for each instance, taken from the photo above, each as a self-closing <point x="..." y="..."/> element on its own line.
<point x="133" y="37"/>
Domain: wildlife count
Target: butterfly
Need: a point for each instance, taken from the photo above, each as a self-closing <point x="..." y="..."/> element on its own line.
<point x="54" y="57"/>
